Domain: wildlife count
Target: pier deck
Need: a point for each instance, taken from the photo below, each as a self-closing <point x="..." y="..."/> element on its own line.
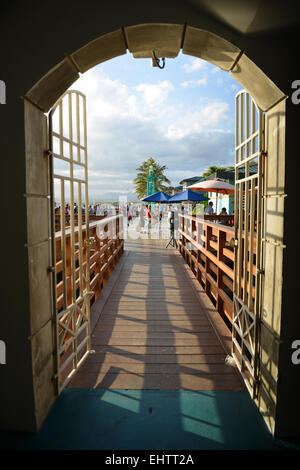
<point x="155" y="328"/>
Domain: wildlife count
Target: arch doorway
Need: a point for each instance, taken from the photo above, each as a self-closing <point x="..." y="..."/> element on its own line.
<point x="166" y="40"/>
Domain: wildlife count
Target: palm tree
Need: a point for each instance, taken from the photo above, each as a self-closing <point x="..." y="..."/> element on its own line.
<point x="140" y="181"/>
<point x="213" y="169"/>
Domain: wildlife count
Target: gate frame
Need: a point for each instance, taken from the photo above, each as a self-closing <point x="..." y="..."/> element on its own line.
<point x="84" y="294"/>
<point x="246" y="313"/>
<point x="38" y="101"/>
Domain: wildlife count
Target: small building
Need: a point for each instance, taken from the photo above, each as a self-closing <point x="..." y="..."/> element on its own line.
<point x="188" y="181"/>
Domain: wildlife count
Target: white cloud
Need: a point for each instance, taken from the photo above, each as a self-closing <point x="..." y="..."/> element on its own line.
<point x="210" y="115"/>
<point x="199" y="82"/>
<point x="126" y="126"/>
<point x="154" y="95"/>
<point x="105" y="97"/>
<point x="195" y="64"/>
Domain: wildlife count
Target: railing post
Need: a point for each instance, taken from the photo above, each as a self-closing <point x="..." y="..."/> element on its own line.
<point x="221" y="245"/>
<point x="211" y="261"/>
<point x="68" y="270"/>
<point x="208" y="233"/>
<point x="97" y="288"/>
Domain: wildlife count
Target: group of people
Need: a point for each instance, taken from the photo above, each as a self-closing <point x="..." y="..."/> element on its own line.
<point x="97" y="209"/>
<point x="146" y="215"/>
<point x="209" y="210"/>
<point x="131" y="213"/>
<point x="76" y="209"/>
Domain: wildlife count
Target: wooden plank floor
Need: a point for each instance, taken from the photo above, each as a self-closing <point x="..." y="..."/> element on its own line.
<point x="154" y="332"/>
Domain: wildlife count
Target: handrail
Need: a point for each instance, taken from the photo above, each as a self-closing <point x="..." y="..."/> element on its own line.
<point x="208" y="248"/>
<point x="208" y="219"/>
<point x="96" y="223"/>
<point x="223" y="219"/>
<point x="92" y="217"/>
<point x="104" y="254"/>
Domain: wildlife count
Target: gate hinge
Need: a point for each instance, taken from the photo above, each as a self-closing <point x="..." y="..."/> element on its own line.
<point x="264" y="153"/>
<point x="229" y="361"/>
<point x="260" y="271"/>
<point x="47" y="153"/>
<point x="51" y="269"/>
<point x="233" y="242"/>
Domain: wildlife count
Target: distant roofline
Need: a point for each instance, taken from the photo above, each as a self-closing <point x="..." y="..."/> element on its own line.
<point x="192" y="178"/>
<point x="225" y="174"/>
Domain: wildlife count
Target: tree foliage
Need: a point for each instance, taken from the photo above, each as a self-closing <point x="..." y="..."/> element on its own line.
<point x="161" y="180"/>
<point x="213" y="169"/>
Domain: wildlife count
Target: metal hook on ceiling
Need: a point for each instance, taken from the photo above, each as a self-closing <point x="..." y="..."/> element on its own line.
<point x="156" y="61"/>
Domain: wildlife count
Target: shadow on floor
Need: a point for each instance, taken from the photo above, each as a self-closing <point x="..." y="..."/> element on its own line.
<point x="89" y="419"/>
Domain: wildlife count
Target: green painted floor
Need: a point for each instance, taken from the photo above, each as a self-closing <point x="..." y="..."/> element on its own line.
<point x="148" y="420"/>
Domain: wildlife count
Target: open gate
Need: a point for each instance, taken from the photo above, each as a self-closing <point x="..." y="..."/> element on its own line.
<point x="248" y="214"/>
<point x="70" y="233"/>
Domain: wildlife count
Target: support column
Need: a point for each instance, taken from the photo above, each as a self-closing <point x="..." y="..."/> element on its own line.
<point x="288" y="385"/>
<point x="40" y="340"/>
<point x="16" y="388"/>
<point x="273" y="248"/>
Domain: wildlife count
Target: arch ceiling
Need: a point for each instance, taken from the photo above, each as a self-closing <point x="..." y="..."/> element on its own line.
<point x="166" y="40"/>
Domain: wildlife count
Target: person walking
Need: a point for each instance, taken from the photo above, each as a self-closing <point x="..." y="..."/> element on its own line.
<point x="129" y="216"/>
<point x="148" y="216"/>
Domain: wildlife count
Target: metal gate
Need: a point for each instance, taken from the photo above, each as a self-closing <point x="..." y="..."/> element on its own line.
<point x="70" y="233"/>
<point x="248" y="213"/>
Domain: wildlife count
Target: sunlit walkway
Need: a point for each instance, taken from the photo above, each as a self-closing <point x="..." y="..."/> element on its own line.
<point x="156" y="329"/>
<point x="157" y="378"/>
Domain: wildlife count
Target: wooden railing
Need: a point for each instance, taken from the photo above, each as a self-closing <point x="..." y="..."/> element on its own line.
<point x="104" y="255"/>
<point x="92" y="218"/>
<point x="208" y="248"/>
<point x="222" y="219"/>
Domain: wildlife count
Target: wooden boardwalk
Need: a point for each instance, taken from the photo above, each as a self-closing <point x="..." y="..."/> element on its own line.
<point x="156" y="329"/>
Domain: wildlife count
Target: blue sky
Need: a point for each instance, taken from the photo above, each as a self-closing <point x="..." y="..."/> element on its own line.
<point x="182" y="116"/>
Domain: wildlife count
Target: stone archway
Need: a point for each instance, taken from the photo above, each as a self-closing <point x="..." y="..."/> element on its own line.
<point x="166" y="40"/>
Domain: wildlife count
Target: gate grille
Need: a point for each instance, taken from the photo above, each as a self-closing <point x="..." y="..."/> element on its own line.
<point x="249" y="162"/>
<point x="69" y="185"/>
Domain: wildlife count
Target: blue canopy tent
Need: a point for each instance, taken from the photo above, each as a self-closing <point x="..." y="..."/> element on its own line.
<point x="188" y="195"/>
<point x="157" y="197"/>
